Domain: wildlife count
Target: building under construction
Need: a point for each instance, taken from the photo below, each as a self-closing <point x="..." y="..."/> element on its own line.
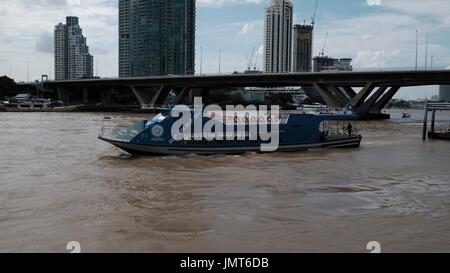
<point x="325" y="63"/>
<point x="303" y="48"/>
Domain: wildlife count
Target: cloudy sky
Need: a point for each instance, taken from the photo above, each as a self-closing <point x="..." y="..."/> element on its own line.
<point x="375" y="33"/>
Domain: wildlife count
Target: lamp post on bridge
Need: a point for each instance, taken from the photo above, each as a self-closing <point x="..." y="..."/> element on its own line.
<point x="220" y="61"/>
<point x="201" y="60"/>
<point x="426" y="54"/>
<point x="417" y="47"/>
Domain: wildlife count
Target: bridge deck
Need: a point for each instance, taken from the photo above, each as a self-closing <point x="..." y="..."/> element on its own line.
<point x="336" y="88"/>
<point x="402" y="78"/>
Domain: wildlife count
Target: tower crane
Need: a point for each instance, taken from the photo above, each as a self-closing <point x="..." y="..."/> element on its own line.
<point x="322" y="53"/>
<point x="250" y="59"/>
<point x="313" y="21"/>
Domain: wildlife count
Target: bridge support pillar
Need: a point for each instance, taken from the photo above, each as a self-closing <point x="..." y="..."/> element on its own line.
<point x="181" y="96"/>
<point x="63" y="94"/>
<point x="341" y="97"/>
<point x="371" y="109"/>
<point x="143" y="97"/>
<point x="425" y="123"/>
<point x="433" y="121"/>
<point x="349" y="91"/>
<point x="326" y="95"/>
<point x="360" y="98"/>
<point x="384" y="100"/>
<point x="366" y="107"/>
<point x="85" y="96"/>
<point x="161" y="95"/>
<point x="106" y="96"/>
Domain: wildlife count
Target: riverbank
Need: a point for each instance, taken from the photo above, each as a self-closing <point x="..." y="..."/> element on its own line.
<point x="82" y="109"/>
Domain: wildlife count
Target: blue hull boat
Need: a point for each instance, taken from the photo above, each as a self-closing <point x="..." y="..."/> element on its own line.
<point x="297" y="132"/>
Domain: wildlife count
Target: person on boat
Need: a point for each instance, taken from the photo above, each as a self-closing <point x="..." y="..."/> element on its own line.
<point x="350" y="129"/>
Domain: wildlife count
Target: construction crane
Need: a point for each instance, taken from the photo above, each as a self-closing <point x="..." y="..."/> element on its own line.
<point x="250" y="59"/>
<point x="322" y="53"/>
<point x="255" y="64"/>
<point x="313" y="21"/>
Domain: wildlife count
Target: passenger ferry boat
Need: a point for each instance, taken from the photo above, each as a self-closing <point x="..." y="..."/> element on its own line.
<point x="297" y="131"/>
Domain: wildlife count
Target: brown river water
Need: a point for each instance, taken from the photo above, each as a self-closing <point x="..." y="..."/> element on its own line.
<point x="58" y="183"/>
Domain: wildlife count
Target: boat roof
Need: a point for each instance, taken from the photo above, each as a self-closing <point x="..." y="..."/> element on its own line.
<point x="337" y="116"/>
<point x="321" y="116"/>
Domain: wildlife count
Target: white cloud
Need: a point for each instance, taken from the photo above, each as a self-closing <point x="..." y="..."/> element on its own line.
<point x="433" y="9"/>
<point x="45" y="43"/>
<point x="226" y="2"/>
<point x="27" y="33"/>
<point x="374" y="2"/>
<point x="372" y="59"/>
<point x="381" y="39"/>
<point x="246" y="28"/>
<point x="249" y="27"/>
<point x="26" y="26"/>
<point x="261" y="50"/>
<point x="384" y="36"/>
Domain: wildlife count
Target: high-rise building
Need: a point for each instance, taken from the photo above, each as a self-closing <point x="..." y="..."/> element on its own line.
<point x="302" y="48"/>
<point x="444" y="93"/>
<point x="156" y="37"/>
<point x="72" y="58"/>
<point x="278" y="36"/>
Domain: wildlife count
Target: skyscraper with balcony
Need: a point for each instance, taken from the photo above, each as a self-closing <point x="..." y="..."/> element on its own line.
<point x="278" y="36"/>
<point x="156" y="37"/>
<point x="72" y="58"/>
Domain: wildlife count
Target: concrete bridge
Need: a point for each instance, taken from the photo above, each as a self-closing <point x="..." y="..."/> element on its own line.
<point x="367" y="92"/>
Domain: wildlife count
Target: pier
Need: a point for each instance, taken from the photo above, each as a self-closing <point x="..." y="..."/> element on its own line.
<point x="433" y="107"/>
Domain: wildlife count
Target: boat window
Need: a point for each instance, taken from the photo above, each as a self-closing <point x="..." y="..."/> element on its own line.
<point x="157" y="119"/>
<point x="338" y="128"/>
<point x="284" y="119"/>
<point x="160" y="117"/>
<point x="325" y="127"/>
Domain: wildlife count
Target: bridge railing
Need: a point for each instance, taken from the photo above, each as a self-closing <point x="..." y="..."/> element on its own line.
<point x="362" y="69"/>
<point x="375" y="69"/>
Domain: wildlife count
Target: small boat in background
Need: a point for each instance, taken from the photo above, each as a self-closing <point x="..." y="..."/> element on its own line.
<point x="406" y="115"/>
<point x="62" y="109"/>
<point x="315" y="108"/>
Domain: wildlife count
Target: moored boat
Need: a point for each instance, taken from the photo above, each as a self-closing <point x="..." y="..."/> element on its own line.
<point x="61" y="109"/>
<point x="296" y="131"/>
<point x="315" y="108"/>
